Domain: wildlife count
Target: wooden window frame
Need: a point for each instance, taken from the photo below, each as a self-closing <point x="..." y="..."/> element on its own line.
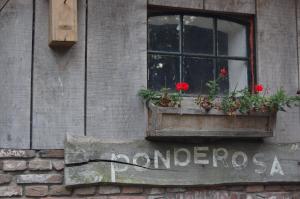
<point x="247" y="20"/>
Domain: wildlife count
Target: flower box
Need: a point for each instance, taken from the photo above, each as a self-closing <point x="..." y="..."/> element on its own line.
<point x="192" y="122"/>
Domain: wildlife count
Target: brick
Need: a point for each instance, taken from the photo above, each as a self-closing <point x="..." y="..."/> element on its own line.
<point x="109" y="190"/>
<point x="59" y="190"/>
<point x="236" y="188"/>
<point x="132" y="190"/>
<point x="274" y="195"/>
<point x="156" y="197"/>
<point x="189" y="195"/>
<point x="8" y="191"/>
<point x="254" y="188"/>
<point x="40" y="165"/>
<point x="39" y="178"/>
<point x="201" y="194"/>
<point x="273" y="188"/>
<point x="296" y="195"/>
<point x="171" y="196"/>
<point x="292" y="187"/>
<point x="127" y="197"/>
<point x="36" y="191"/>
<point x="63" y="198"/>
<point x="175" y="190"/>
<point x="52" y="153"/>
<point x="5" y="178"/>
<point x="12" y="153"/>
<point x="155" y="191"/>
<point x="58" y="165"/>
<point x="14" y="165"/>
<point x="85" y="191"/>
<point x="238" y="195"/>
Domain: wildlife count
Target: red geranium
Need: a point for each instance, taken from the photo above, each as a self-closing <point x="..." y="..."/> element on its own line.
<point x="259" y="88"/>
<point x="182" y="86"/>
<point x="223" y="72"/>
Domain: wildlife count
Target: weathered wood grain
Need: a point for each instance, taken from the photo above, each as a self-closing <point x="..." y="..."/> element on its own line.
<point x="90" y="161"/>
<point x="239" y="6"/>
<point x="58" y="84"/>
<point x="277" y="59"/>
<point x="116" y="68"/>
<point x="62" y="22"/>
<point x="15" y="73"/>
<point x="188" y="123"/>
<point x="195" y="4"/>
<point x="298" y="36"/>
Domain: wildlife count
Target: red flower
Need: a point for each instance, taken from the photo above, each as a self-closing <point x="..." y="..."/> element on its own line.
<point x="223" y="72"/>
<point x="259" y="88"/>
<point x="182" y="86"/>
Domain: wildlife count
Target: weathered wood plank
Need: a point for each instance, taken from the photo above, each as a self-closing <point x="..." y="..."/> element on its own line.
<point x="171" y="122"/>
<point x="58" y="85"/>
<point x="277" y="59"/>
<point x="195" y="4"/>
<point x="15" y="73"/>
<point x="298" y="36"/>
<point x="62" y="22"/>
<point x="239" y="6"/>
<point x="116" y="68"/>
<point x="90" y="161"/>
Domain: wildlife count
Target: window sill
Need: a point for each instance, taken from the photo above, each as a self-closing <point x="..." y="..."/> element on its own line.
<point x="190" y="122"/>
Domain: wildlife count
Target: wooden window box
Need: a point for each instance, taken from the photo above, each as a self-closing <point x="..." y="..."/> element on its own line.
<point x="191" y="123"/>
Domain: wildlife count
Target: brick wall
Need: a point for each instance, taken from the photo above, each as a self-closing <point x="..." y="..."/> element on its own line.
<point x="39" y="174"/>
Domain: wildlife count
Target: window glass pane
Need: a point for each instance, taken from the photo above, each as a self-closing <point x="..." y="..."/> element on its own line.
<point x="231" y="39"/>
<point x="197" y="72"/>
<point x="237" y="75"/>
<point x="198" y="35"/>
<point x="163" y="33"/>
<point x="163" y="71"/>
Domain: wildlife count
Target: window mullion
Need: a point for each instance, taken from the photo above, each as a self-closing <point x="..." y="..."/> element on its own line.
<point x="181" y="48"/>
<point x="215" y="46"/>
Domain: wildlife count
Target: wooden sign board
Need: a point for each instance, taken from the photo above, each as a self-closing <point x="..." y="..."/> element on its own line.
<point x="62" y="22"/>
<point x="90" y="161"/>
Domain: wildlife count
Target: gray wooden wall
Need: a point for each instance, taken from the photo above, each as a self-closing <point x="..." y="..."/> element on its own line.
<point x="90" y="89"/>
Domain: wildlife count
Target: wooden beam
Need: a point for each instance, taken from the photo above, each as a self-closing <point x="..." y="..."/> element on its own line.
<point x="15" y="73"/>
<point x="58" y="84"/>
<point x="194" y="4"/>
<point x="116" y="68"/>
<point x="90" y="161"/>
<point x="62" y="22"/>
<point x="234" y="6"/>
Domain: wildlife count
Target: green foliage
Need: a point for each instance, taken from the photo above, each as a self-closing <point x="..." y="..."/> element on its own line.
<point x="213" y="89"/>
<point x="244" y="101"/>
<point x="230" y="103"/>
<point x="149" y="95"/>
<point x="247" y="102"/>
<point x="162" y="98"/>
<point x="280" y="100"/>
<point x="251" y="102"/>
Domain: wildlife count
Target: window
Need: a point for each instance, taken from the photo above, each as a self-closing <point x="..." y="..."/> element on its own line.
<point x="193" y="48"/>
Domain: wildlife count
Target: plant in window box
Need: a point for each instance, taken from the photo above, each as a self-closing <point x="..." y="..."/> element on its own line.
<point x="237" y="114"/>
<point x="246" y="102"/>
<point x="162" y="98"/>
<point x="207" y="102"/>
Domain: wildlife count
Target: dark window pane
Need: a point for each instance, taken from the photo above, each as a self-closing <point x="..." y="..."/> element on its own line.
<point x="197" y="72"/>
<point x="163" y="33"/>
<point x="222" y="43"/>
<point x="198" y="35"/>
<point x="237" y="75"/>
<point x="163" y="71"/>
<point x="231" y="39"/>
